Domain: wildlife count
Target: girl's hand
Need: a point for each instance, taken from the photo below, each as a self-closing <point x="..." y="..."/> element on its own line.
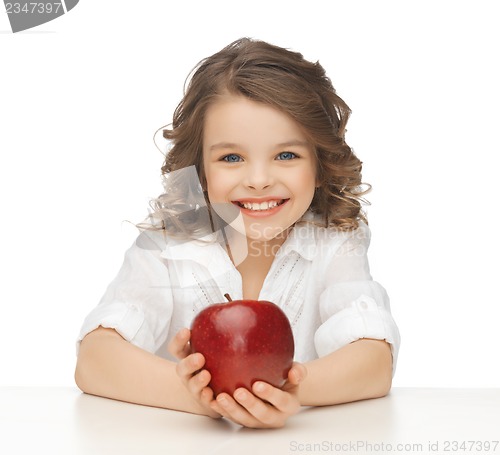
<point x="192" y="376"/>
<point x="267" y="406"/>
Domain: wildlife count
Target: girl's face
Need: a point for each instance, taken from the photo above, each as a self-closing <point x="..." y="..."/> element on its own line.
<point x="258" y="161"/>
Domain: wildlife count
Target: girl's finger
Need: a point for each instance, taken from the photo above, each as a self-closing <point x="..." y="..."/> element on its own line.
<point x="297" y="373"/>
<point x="279" y="399"/>
<point x="190" y="365"/>
<point x="265" y="414"/>
<point x="197" y="383"/>
<point x="179" y="346"/>
<point x="218" y="409"/>
<point x="232" y="410"/>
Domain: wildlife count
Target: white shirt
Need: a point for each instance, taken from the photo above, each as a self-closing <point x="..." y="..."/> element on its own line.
<point x="319" y="277"/>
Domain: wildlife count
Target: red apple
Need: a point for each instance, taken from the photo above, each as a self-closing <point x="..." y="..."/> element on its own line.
<point x="243" y="341"/>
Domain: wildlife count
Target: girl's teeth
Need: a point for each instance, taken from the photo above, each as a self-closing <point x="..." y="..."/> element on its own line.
<point x="261" y="206"/>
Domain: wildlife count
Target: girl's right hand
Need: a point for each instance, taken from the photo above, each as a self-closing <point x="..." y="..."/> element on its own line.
<point x="189" y="370"/>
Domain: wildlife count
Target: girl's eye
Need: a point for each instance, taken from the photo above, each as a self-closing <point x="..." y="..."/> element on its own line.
<point x="231" y="158"/>
<point x="287" y="156"/>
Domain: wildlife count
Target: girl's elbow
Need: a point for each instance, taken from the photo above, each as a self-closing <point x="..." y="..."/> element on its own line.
<point x="80" y="376"/>
<point x="384" y="386"/>
<point x="78" y="380"/>
<point x="383" y="383"/>
<point x="84" y="364"/>
<point x="379" y="386"/>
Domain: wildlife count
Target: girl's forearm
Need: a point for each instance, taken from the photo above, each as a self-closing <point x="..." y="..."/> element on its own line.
<point x="358" y="371"/>
<point x="111" y="367"/>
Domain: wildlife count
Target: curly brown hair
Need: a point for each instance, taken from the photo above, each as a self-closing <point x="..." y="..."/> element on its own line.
<point x="283" y="79"/>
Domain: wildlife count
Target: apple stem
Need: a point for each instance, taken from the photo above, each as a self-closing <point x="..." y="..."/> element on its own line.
<point x="228" y="297"/>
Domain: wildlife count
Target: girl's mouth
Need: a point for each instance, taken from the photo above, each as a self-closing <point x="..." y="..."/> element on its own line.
<point x="255" y="206"/>
<point x="262" y="208"/>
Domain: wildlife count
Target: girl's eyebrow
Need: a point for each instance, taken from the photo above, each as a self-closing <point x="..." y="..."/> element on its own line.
<point x="223" y="145"/>
<point x="232" y="145"/>
<point x="293" y="143"/>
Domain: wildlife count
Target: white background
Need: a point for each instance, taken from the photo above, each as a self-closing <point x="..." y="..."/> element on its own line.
<point x="80" y="100"/>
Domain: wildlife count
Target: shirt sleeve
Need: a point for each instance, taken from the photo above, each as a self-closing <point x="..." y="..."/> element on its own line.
<point x="353" y="306"/>
<point x="138" y="302"/>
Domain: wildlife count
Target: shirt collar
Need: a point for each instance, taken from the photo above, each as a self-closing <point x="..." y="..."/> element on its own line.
<point x="210" y="253"/>
<point x="207" y="251"/>
<point x="301" y="240"/>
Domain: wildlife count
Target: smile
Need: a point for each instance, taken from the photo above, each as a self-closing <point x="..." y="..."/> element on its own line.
<point x="262" y="206"/>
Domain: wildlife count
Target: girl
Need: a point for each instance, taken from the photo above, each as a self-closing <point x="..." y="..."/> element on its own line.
<point x="262" y="201"/>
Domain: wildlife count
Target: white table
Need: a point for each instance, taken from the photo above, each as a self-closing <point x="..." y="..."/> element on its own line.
<point x="410" y="420"/>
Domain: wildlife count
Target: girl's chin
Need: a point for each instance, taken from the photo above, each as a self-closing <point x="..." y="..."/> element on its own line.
<point x="260" y="232"/>
<point x="266" y="233"/>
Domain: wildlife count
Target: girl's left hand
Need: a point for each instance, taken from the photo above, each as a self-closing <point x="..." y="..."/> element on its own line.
<point x="267" y="406"/>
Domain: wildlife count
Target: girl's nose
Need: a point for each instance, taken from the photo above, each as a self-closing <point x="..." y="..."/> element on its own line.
<point x="258" y="177"/>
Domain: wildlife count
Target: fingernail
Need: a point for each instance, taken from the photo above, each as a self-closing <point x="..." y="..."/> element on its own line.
<point x="259" y="387"/>
<point x="240" y="395"/>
